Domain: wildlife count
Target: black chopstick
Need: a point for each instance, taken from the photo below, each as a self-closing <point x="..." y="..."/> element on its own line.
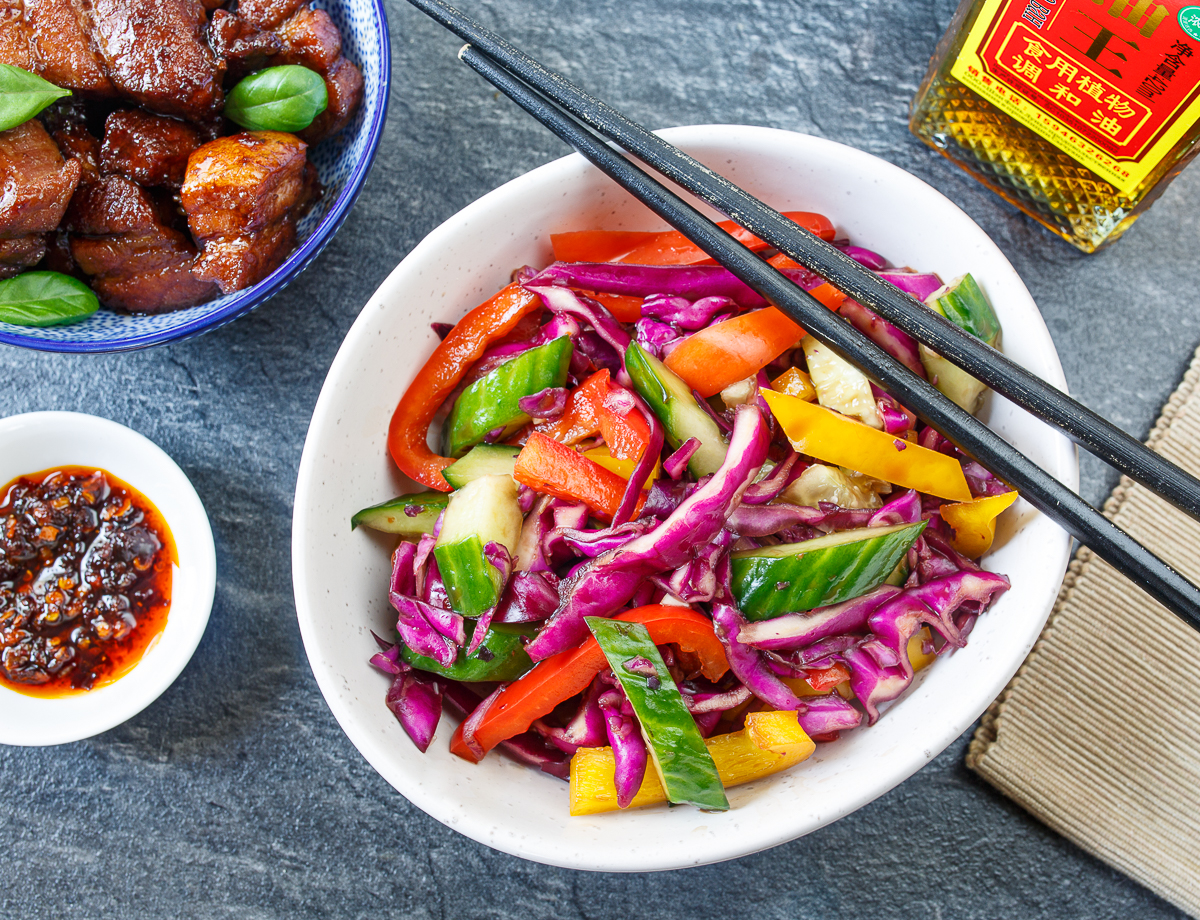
<point x="1043" y="491"/>
<point x="1087" y="428"/>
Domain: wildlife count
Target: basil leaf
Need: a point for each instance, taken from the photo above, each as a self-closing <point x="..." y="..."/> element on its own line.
<point x="45" y="299"/>
<point x="23" y="95"/>
<point x="285" y="98"/>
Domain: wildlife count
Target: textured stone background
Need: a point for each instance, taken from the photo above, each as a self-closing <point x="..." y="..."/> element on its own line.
<point x="236" y="795"/>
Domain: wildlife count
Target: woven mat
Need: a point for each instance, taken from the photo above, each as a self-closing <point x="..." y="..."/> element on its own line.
<point x="1098" y="735"/>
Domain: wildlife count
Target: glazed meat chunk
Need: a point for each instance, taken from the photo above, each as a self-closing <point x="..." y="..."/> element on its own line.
<point x="243" y="47"/>
<point x="155" y="52"/>
<point x="243" y="195"/>
<point x="36" y="185"/>
<point x="310" y="39"/>
<point x="122" y="239"/>
<point x="267" y="14"/>
<point x="61" y="47"/>
<point x="344" y="89"/>
<point x="150" y="149"/>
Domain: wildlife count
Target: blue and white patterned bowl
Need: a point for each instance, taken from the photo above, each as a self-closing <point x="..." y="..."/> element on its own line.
<point x="342" y="161"/>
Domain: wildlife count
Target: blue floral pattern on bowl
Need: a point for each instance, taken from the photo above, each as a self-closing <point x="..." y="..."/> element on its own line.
<point x="342" y="161"/>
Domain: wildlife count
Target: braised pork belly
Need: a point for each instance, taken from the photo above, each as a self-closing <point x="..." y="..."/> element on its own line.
<point x="36" y="185"/>
<point x="243" y="196"/>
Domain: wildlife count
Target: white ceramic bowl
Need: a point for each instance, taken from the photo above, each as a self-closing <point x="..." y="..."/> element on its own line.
<point x="341" y="577"/>
<point x="43" y="440"/>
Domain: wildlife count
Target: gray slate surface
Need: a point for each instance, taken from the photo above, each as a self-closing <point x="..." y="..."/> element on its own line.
<point x="236" y="795"/>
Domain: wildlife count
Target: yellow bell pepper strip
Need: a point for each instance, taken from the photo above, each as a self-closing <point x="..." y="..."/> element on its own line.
<point x="829" y="436"/>
<point x="436" y="380"/>
<point x="974" y="522"/>
<point x="623" y="468"/>
<point x="770" y="742"/>
<point x="794" y="382"/>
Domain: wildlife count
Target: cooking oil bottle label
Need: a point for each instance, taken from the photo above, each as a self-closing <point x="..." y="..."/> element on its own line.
<point x="1113" y="83"/>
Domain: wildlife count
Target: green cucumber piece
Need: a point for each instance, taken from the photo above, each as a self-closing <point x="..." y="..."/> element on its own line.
<point x="483" y="511"/>
<point x="392" y="516"/>
<point x="482" y="460"/>
<point x="793" y="577"/>
<point x="684" y="765"/>
<point x="491" y="401"/>
<point x="964" y="304"/>
<point x="501" y="655"/>
<point x="671" y="399"/>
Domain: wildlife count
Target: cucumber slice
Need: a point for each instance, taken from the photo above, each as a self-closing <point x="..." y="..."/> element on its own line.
<point x="501" y="655"/>
<point x="801" y="576"/>
<point x="491" y="401"/>
<point x="482" y="460"/>
<point x="671" y="399"/>
<point x="964" y="304"/>
<point x="683" y="763"/>
<point x="406" y="514"/>
<point x="483" y="511"/>
<point x="839" y="384"/>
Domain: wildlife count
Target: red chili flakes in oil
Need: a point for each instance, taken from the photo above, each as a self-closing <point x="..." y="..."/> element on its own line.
<point x="85" y="580"/>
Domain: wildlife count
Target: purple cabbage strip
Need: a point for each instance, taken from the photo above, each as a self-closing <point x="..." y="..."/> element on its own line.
<point x="896" y="419"/>
<point x="538" y="522"/>
<point x="595" y="354"/>
<point x="607" y="582"/>
<point x="695" y="582"/>
<point x="586" y="728"/>
<point x="403" y="570"/>
<point x="530" y="749"/>
<point x="529" y="597"/>
<point x="657" y="338"/>
<point x="441" y="330"/>
<point x="564" y="300"/>
<point x="873" y="684"/>
<point x="917" y="284"/>
<point x="945" y="595"/>
<point x="700" y="703"/>
<point x="747" y="663"/>
<point x="765" y="520"/>
<point x="593" y="543"/>
<point x="683" y="313"/>
<point x="675" y="465"/>
<point x="419" y="634"/>
<point x="434" y="592"/>
<point x="387" y="659"/>
<point x="904" y="509"/>
<point x="549" y="403"/>
<point x="666" y="496"/>
<point x="424" y="552"/>
<point x="692" y="282"/>
<point x="982" y="482"/>
<point x="823" y="715"/>
<point x="722" y="422"/>
<point x="865" y="257"/>
<point x="628" y="746"/>
<point x="895" y="622"/>
<point x="646" y="462"/>
<point x="815" y="656"/>
<point x="416" y="702"/>
<point x="896" y="342"/>
<point x="794" y="631"/>
<point x="769" y="488"/>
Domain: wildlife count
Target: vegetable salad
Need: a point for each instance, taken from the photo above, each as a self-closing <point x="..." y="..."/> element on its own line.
<point x="670" y="543"/>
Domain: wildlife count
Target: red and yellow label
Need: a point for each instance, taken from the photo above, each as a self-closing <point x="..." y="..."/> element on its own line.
<point x="1113" y="83"/>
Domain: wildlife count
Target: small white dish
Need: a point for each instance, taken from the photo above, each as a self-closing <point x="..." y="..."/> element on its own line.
<point x="44" y="440"/>
<point x="341" y="578"/>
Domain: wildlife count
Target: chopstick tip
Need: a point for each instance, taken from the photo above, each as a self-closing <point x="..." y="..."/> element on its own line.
<point x="463" y="50"/>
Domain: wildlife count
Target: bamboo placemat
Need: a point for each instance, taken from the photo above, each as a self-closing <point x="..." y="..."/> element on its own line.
<point x="1098" y="734"/>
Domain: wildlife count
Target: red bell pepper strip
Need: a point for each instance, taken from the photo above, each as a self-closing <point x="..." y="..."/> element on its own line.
<point x="828" y="678"/>
<point x="713" y="358"/>
<point x="597" y="245"/>
<point x="562" y="676"/>
<point x="673" y="248"/>
<point x="588" y="412"/>
<point x="548" y="466"/>
<point x="434" y="382"/>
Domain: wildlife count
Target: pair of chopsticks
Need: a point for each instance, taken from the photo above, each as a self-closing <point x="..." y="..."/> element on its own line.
<point x="541" y="92"/>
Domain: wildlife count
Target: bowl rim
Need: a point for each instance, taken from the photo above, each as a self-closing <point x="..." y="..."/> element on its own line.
<point x="535" y="846"/>
<point x="250" y="298"/>
<point x="149" y="469"/>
